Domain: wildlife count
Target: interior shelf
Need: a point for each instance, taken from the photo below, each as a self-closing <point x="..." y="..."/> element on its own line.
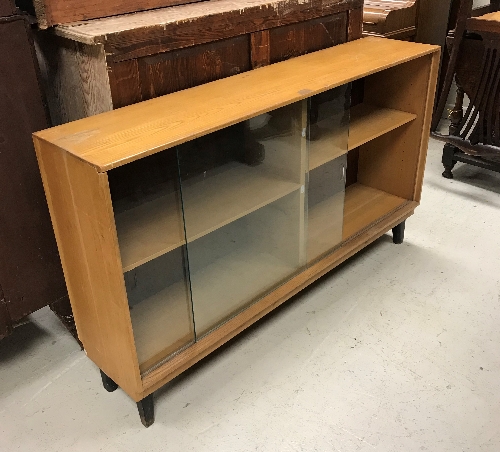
<point x="368" y="122"/>
<point x="149" y="230"/>
<point x="229" y="192"/>
<point x="326" y="148"/>
<point x="364" y="205"/>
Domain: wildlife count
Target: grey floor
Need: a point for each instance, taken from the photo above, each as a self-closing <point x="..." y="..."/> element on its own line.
<point x="396" y="350"/>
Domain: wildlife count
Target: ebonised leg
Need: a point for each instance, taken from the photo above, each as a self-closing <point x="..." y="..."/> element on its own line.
<point x="398" y="233"/>
<point x="146" y="409"/>
<point x="448" y="162"/>
<point x="108" y="383"/>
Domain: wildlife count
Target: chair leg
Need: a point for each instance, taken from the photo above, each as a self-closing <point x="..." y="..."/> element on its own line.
<point x="448" y="162"/>
<point x="146" y="409"/>
<point x="398" y="233"/>
<point x="108" y="383"/>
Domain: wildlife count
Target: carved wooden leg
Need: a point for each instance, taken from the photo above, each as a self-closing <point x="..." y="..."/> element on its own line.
<point x="398" y="233"/>
<point x="448" y="162"/>
<point x="108" y="383"/>
<point x="146" y="409"/>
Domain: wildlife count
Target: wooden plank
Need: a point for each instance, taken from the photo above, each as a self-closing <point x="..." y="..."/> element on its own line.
<point x="77" y="195"/>
<point x="124" y="135"/>
<point x="368" y="122"/>
<point x="355" y="24"/>
<point x="233" y="327"/>
<point x="173" y="71"/>
<point x="68" y="70"/>
<point x="488" y="23"/>
<point x="124" y="83"/>
<point x="172" y="28"/>
<point x="234" y="191"/>
<point x="364" y="205"/>
<point x="260" y="53"/>
<point x="410" y="88"/>
<point x="304" y="37"/>
<point x="53" y="12"/>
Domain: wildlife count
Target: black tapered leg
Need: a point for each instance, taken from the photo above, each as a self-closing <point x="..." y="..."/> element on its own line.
<point x="398" y="233"/>
<point x="448" y="162"/>
<point x="108" y="383"/>
<point x="146" y="409"/>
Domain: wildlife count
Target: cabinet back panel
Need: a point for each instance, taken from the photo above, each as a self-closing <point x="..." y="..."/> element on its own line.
<point x="298" y="39"/>
<point x="173" y="71"/>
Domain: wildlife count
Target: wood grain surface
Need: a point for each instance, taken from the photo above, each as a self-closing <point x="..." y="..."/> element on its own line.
<point x="115" y="138"/>
<point x="151" y="32"/>
<point x="77" y="195"/>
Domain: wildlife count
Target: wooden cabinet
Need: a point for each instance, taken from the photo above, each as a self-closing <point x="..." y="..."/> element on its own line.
<point x="95" y="66"/>
<point x="184" y="219"/>
<point x="30" y="270"/>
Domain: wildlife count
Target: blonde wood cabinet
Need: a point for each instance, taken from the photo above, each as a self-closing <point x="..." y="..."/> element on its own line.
<point x="184" y="219"/>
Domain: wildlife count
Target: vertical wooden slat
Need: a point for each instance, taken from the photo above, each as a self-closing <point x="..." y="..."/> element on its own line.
<point x="260" y="51"/>
<point x="355" y="24"/>
<point x="125" y="83"/>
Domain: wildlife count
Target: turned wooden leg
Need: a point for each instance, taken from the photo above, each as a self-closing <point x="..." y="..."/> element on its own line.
<point x="108" y="383"/>
<point x="448" y="162"/>
<point x="146" y="409"/>
<point x="398" y="233"/>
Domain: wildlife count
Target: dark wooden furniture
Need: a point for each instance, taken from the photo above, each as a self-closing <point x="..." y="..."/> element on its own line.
<point x="174" y="239"/>
<point x="395" y="19"/>
<point x="475" y="135"/>
<point x="460" y="11"/>
<point x="99" y="65"/>
<point x="30" y="270"/>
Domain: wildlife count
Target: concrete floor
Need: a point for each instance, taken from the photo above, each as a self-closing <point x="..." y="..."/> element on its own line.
<point x="396" y="350"/>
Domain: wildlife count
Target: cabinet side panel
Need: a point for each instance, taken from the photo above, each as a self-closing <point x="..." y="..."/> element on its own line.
<point x="75" y="78"/>
<point x="82" y="217"/>
<point x="58" y="192"/>
<point x="394" y="162"/>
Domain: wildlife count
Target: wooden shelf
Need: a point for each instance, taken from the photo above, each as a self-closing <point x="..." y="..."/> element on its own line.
<point x="149" y="230"/>
<point x="230" y="192"/>
<point x="366" y="123"/>
<point x="369" y="122"/>
<point x="365" y="205"/>
<point x="115" y="138"/>
<point x="161" y="324"/>
<point x="327" y="148"/>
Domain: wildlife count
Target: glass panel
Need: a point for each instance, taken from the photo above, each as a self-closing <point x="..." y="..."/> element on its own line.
<point x="148" y="216"/>
<point x="243" y="203"/>
<point x="327" y="143"/>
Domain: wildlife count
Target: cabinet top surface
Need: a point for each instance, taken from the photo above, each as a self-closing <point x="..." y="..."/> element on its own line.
<point x="127" y="134"/>
<point x="99" y="30"/>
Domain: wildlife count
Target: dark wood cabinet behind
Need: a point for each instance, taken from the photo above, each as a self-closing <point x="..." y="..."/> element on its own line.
<point x="30" y="270"/>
